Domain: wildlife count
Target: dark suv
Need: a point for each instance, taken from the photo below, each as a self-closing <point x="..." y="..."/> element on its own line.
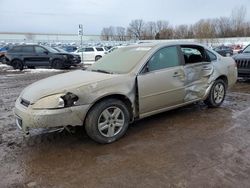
<point x="243" y="62"/>
<point x="32" y="56"/>
<point x="224" y="51"/>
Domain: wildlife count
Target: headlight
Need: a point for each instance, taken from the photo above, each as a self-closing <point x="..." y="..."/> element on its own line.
<point x="56" y="101"/>
<point x="69" y="99"/>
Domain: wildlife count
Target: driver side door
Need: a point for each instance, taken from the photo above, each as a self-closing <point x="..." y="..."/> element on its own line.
<point x="161" y="82"/>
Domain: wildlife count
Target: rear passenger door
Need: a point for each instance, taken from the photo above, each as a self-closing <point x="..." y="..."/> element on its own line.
<point x="28" y="54"/>
<point x="89" y="54"/>
<point x="198" y="70"/>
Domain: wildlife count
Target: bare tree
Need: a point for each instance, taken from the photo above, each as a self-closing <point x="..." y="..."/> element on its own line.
<point x="149" y="30"/>
<point x="107" y="33"/>
<point x="223" y="27"/>
<point x="121" y="33"/>
<point x="181" y="32"/>
<point x="238" y="20"/>
<point x="167" y="33"/>
<point x="136" y="28"/>
<point x="161" y="25"/>
<point x="205" y="29"/>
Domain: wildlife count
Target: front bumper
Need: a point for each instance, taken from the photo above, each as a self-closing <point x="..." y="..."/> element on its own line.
<point x="73" y="61"/>
<point x="245" y="73"/>
<point x="27" y="118"/>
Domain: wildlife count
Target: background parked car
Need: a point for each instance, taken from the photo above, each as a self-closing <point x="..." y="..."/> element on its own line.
<point x="69" y="49"/>
<point x="91" y="53"/>
<point x="32" y="56"/>
<point x="224" y="50"/>
<point x="243" y="62"/>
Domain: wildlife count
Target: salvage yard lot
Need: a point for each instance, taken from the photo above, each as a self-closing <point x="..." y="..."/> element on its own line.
<point x="194" y="146"/>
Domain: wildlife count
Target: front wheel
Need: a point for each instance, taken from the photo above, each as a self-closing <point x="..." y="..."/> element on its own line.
<point x="217" y="94"/>
<point x="57" y="64"/>
<point x="107" y="121"/>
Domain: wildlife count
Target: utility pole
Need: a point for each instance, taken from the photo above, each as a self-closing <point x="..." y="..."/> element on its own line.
<point x="80" y="33"/>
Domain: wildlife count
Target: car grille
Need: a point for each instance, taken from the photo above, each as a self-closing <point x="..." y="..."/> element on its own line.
<point x="243" y="63"/>
<point x="25" y="102"/>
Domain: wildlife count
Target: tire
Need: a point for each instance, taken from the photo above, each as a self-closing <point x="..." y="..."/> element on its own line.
<point x="98" y="57"/>
<point x="2" y="58"/>
<point x="217" y="94"/>
<point x="17" y="64"/>
<point x="57" y="64"/>
<point x="107" y="121"/>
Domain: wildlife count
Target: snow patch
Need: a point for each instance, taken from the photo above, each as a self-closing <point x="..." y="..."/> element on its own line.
<point x="41" y="70"/>
<point x="4" y="67"/>
<point x="7" y="68"/>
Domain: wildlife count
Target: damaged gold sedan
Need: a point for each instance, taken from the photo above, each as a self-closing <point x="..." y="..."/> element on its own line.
<point x="126" y="85"/>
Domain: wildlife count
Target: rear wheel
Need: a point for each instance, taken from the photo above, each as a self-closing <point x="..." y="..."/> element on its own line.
<point x="98" y="57"/>
<point x="57" y="64"/>
<point x="107" y="121"/>
<point x="17" y="64"/>
<point x="217" y="94"/>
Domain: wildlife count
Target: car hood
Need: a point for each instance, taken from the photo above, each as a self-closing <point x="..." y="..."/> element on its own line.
<point x="242" y="56"/>
<point x="62" y="83"/>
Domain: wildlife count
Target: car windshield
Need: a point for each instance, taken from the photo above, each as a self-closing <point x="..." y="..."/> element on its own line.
<point x="50" y="49"/>
<point x="247" y="49"/>
<point x="120" y="61"/>
<point x="60" y="50"/>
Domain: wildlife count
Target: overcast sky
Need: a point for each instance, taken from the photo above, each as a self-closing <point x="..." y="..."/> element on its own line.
<point x="63" y="16"/>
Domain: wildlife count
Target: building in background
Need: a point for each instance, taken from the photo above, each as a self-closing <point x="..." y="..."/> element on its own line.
<point x="44" y="37"/>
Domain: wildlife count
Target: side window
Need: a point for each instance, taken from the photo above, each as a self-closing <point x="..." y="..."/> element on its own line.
<point x="99" y="49"/>
<point x="211" y="56"/>
<point x="81" y="50"/>
<point x="89" y="50"/>
<point x="40" y="50"/>
<point x="16" y="49"/>
<point x="27" y="49"/>
<point x="164" y="58"/>
<point x="193" y="54"/>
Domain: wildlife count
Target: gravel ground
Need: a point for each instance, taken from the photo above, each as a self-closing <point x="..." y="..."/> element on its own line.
<point x="194" y="146"/>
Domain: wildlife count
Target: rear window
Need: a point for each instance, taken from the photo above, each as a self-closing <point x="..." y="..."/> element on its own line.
<point x="16" y="49"/>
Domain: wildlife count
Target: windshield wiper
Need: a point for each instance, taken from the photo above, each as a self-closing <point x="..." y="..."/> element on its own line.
<point x="102" y="71"/>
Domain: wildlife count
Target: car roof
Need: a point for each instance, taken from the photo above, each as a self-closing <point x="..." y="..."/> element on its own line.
<point x="164" y="43"/>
